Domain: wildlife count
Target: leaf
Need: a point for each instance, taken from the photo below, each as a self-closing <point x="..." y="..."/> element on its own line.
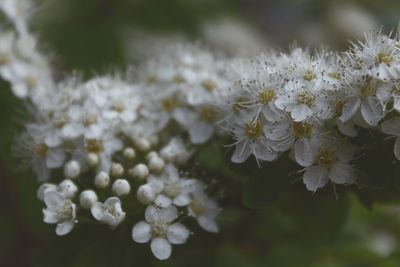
<point x="268" y="183"/>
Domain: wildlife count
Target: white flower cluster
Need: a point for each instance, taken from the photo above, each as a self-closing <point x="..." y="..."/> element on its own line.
<point x="118" y="134"/>
<point x="311" y="105"/>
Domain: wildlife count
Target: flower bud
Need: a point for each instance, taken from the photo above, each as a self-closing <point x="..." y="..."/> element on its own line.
<point x="129" y="153"/>
<point x="121" y="187"/>
<point x="117" y="170"/>
<point x="68" y="188"/>
<point x="102" y="180"/>
<point x="72" y="169"/>
<point x="44" y="188"/>
<point x="92" y="159"/>
<point x="140" y="171"/>
<point x="151" y="154"/>
<point x="142" y="144"/>
<point x="156" y="164"/>
<point x="87" y="198"/>
<point x="146" y="194"/>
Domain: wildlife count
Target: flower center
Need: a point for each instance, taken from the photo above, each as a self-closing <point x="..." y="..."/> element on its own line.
<point x="41" y="150"/>
<point x="179" y="79"/>
<point x="339" y="107"/>
<point x="238" y="105"/>
<point x="309" y="75"/>
<point x="152" y="79"/>
<point x="65" y="213"/>
<point x="169" y="104"/>
<point x="305" y="98"/>
<point x="89" y="120"/>
<point x="335" y="75"/>
<point x="118" y="106"/>
<point x="94" y="145"/>
<point x="197" y="207"/>
<point x="208" y="85"/>
<point x="266" y="96"/>
<point x="383" y="58"/>
<point x="302" y="129"/>
<point x="326" y="158"/>
<point x="172" y="190"/>
<point x="159" y="229"/>
<point x="61" y="121"/>
<point x="254" y="130"/>
<point x="368" y="89"/>
<point x="4" y="59"/>
<point x="208" y="114"/>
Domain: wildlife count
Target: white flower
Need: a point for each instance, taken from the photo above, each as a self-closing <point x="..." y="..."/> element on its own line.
<point x="160" y="231"/>
<point x="205" y="210"/>
<point x="249" y="134"/>
<point x="330" y="164"/>
<point x="60" y="210"/>
<point x="304" y="100"/>
<point x="171" y="188"/>
<point x="361" y="95"/>
<point x="175" y="151"/>
<point x="392" y="127"/>
<point x="110" y="212"/>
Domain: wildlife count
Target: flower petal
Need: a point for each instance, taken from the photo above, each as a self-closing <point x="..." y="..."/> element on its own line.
<point x="315" y="177"/>
<point x="141" y="232"/>
<point x="177" y="233"/>
<point x="64" y="227"/>
<point x="342" y="173"/>
<point x="208" y="223"/>
<point x="163" y="201"/>
<point x="161" y="248"/>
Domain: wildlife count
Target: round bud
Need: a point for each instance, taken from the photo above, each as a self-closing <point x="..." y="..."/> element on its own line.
<point x="68" y="188"/>
<point x="142" y="144"/>
<point x="102" y="180"/>
<point x="156" y="164"/>
<point x="129" y="153"/>
<point x="146" y="194"/>
<point x="92" y="159"/>
<point x="151" y="154"/>
<point x="121" y="187"/>
<point x="87" y="198"/>
<point x="140" y="171"/>
<point x="117" y="170"/>
<point x="72" y="169"/>
<point x="44" y="188"/>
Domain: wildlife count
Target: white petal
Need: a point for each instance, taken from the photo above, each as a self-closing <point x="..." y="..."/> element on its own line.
<point x="49" y="216"/>
<point x="315" y="177"/>
<point x="342" y="173"/>
<point x="347" y="128"/>
<point x="182" y="200"/>
<point x="200" y="132"/>
<point x="55" y="158"/>
<point x="262" y="151"/>
<point x="64" y="228"/>
<point x="372" y="110"/>
<point x="151" y="214"/>
<point x="162" y="201"/>
<point x="53" y="199"/>
<point x="208" y="224"/>
<point x="177" y="233"/>
<point x="242" y="152"/>
<point x="168" y="214"/>
<point x="161" y="248"/>
<point x="301" y="112"/>
<point x="303" y="152"/>
<point x="396" y="103"/>
<point x="141" y="232"/>
<point x="98" y="209"/>
<point x="349" y="109"/>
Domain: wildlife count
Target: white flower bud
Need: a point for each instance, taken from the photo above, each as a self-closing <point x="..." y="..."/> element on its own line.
<point x="121" y="187"/>
<point x="156" y="164"/>
<point x="87" y="198"/>
<point x="129" y="153"/>
<point x="67" y="188"/>
<point x="72" y="169"/>
<point x="102" y="180"/>
<point x="151" y="154"/>
<point x="92" y="159"/>
<point x="140" y="171"/>
<point x="142" y="144"/>
<point x="146" y="194"/>
<point x="117" y="170"/>
<point x="44" y="188"/>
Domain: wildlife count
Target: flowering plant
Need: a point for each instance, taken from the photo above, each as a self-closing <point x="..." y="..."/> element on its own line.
<point x="121" y="148"/>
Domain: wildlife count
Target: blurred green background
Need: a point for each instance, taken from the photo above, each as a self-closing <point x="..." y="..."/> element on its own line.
<point x="298" y="229"/>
